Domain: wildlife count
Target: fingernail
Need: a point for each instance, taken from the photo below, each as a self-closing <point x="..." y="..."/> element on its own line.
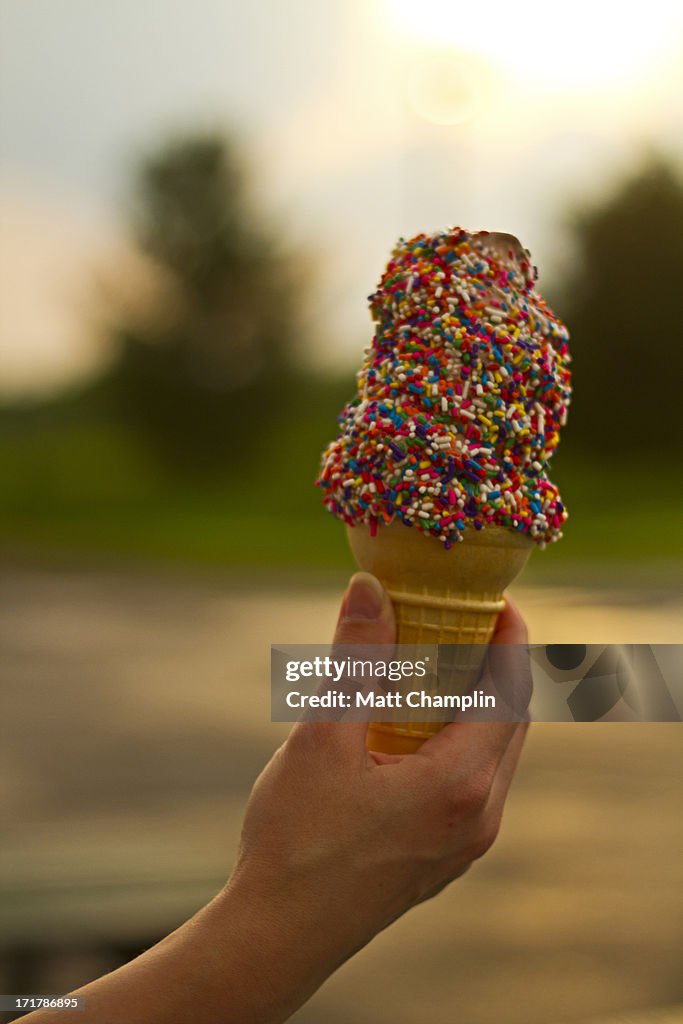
<point x="364" y="598"/>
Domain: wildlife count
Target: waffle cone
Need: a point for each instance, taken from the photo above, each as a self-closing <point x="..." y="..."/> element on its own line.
<point x="440" y="597"/>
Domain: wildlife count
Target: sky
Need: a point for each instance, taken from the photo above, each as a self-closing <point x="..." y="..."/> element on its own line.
<point x="361" y="120"/>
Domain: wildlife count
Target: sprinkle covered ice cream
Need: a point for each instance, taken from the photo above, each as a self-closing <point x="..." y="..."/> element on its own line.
<point x="460" y="398"/>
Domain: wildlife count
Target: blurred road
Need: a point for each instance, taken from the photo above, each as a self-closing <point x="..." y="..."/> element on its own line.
<point x="135" y="715"/>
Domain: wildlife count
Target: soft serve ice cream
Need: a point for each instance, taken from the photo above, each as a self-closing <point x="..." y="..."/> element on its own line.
<point x="460" y="399"/>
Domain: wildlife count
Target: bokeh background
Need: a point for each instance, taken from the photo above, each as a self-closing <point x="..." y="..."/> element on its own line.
<point x="195" y="201"/>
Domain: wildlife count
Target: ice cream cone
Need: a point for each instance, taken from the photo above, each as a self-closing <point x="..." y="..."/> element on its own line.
<point x="439" y="597"/>
<point x="443" y="452"/>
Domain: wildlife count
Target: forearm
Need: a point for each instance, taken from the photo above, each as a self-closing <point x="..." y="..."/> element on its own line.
<point x="336" y="844"/>
<point x="237" y="960"/>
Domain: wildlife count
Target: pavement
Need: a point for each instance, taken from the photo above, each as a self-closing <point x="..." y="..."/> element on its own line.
<point x="135" y="718"/>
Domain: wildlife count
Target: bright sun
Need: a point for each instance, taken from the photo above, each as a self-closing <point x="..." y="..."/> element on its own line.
<point x="587" y="44"/>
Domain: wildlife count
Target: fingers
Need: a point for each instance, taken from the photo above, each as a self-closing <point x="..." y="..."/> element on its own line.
<point x="510" y="627"/>
<point x="508" y="765"/>
<point x="464" y="749"/>
<point x="505" y="774"/>
<point x="506" y="674"/>
<point x="366" y="616"/>
<point x="479" y="746"/>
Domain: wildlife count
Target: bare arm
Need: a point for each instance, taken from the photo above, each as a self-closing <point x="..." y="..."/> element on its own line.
<point x="337" y="843"/>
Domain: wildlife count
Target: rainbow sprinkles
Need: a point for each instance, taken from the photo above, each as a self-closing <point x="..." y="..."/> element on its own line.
<point x="461" y="396"/>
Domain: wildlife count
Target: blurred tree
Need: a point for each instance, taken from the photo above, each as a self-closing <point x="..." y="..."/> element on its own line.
<point x="620" y="305"/>
<point x="208" y="373"/>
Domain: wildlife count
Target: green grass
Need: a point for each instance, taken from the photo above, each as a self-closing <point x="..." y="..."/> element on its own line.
<point x="90" y="490"/>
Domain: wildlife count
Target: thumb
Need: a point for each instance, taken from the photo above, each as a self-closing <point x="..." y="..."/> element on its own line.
<point x="366" y="615"/>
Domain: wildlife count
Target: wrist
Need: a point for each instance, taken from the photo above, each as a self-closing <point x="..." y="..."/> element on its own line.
<point x="269" y="947"/>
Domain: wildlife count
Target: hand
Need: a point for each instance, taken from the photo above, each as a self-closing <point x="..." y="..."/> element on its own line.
<point x="338" y="842"/>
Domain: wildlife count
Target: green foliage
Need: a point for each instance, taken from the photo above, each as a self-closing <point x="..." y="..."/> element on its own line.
<point x="621" y="308"/>
<point x="80" y="483"/>
<point x="87" y="489"/>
